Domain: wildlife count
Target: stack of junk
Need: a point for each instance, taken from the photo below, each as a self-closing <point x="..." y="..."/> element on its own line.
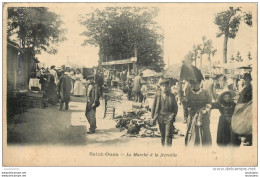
<point x="138" y="122"/>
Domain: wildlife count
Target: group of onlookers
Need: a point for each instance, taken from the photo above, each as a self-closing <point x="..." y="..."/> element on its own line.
<point x="198" y="99"/>
<point x="137" y="88"/>
<point x="60" y="84"/>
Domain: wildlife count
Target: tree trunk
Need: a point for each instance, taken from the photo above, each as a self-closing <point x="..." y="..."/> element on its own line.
<point x="225" y="50"/>
<point x="200" y="61"/>
<point x="209" y="64"/>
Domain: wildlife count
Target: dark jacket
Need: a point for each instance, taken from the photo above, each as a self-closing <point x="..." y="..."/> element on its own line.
<point x="246" y="95"/>
<point x="64" y="87"/>
<point x="172" y="107"/>
<point x="93" y="97"/>
<point x="225" y="109"/>
<point x="99" y="80"/>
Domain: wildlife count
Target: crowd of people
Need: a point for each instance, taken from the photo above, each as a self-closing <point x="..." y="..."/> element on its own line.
<point x="198" y="98"/>
<point x="59" y="84"/>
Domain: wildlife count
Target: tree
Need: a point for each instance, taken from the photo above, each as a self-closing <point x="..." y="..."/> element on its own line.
<point x="35" y="27"/>
<point x="239" y="58"/>
<point x="120" y="32"/>
<point x="228" y="23"/>
<point x="202" y="49"/>
<point x="189" y="58"/>
<point x="232" y="59"/>
<point x="195" y="51"/>
<point x="209" y="50"/>
<point x="206" y="48"/>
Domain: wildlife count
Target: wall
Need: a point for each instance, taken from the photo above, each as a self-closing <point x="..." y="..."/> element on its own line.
<point x="18" y="68"/>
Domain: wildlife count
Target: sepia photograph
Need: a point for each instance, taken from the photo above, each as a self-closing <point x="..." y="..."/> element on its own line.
<point x="130" y="84"/>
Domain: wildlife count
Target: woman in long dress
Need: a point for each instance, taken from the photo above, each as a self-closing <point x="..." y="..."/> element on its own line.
<point x="226" y="107"/>
<point x="198" y="132"/>
<point x="51" y="90"/>
<point x="71" y="74"/>
<point x="78" y="85"/>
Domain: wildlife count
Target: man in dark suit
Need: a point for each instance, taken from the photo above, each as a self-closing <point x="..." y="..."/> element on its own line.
<point x="92" y="99"/>
<point x="246" y="94"/>
<point x="164" y="110"/>
<point x="64" y="88"/>
<point x="99" y="80"/>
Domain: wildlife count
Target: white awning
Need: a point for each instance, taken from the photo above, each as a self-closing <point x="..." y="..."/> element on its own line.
<point x="120" y="62"/>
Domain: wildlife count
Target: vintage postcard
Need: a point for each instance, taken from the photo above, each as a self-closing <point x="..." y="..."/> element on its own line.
<point x="130" y="84"/>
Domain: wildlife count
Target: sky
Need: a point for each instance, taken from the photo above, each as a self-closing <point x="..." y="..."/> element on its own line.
<point x="183" y="25"/>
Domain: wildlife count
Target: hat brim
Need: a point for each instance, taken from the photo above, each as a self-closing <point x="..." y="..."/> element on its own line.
<point x="164" y="82"/>
<point x="231" y="92"/>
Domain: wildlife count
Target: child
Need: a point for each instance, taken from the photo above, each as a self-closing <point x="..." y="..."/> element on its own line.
<point x="226" y="107"/>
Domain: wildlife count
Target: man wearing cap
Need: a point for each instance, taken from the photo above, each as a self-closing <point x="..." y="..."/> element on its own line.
<point x="64" y="88"/>
<point x="99" y="81"/>
<point x="92" y="99"/>
<point x="164" y="110"/>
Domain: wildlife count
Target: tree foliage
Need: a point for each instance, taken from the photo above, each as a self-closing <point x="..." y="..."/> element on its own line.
<point x="232" y="59"/>
<point x="118" y="31"/>
<point x="189" y="58"/>
<point x="35" y="27"/>
<point x="228" y="23"/>
<point x="238" y="57"/>
<point x="209" y="49"/>
<point x="206" y="47"/>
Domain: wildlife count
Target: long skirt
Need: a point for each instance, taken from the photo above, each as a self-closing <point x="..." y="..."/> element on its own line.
<point x="51" y="94"/>
<point x="198" y="135"/>
<point x="79" y="89"/>
<point x="224" y="131"/>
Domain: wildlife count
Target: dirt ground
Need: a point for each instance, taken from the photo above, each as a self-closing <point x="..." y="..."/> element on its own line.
<point x="51" y="126"/>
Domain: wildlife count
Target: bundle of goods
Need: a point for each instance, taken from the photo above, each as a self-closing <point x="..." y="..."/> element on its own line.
<point x="241" y="122"/>
<point x="137" y="120"/>
<point x="106" y="87"/>
<point x="149" y="132"/>
<point x="125" y="88"/>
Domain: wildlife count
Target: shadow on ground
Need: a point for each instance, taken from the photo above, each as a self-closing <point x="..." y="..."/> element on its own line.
<point x="45" y="126"/>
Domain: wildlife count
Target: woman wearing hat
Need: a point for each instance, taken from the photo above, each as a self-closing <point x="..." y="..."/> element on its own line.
<point x="79" y="89"/>
<point x="196" y="100"/>
<point x="226" y="107"/>
<point x="54" y="73"/>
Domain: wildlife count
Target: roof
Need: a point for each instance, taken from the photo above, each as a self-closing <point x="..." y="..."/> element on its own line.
<point x="119" y="62"/>
<point x="149" y="73"/>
